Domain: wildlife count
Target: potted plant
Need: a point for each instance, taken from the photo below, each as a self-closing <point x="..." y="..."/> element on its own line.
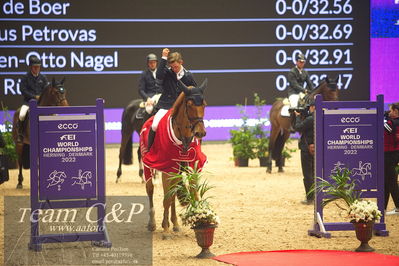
<point x="362" y="213"/>
<point x="9" y="150"/>
<point x="198" y="213"/>
<point x="261" y="140"/>
<point x="243" y="141"/>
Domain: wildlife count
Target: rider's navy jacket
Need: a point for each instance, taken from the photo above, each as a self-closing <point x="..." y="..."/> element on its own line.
<point x="170" y="87"/>
<point x="32" y="86"/>
<point x="296" y="81"/>
<point x="148" y="86"/>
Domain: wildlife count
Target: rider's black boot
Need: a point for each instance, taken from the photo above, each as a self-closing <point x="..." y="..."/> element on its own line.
<point x="151" y="137"/>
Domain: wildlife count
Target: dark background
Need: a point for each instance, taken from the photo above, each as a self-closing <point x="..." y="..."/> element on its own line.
<point x="223" y="88"/>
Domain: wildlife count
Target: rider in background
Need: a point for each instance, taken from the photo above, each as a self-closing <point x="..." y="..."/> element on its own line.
<point x="170" y="71"/>
<point x="297" y="78"/>
<point x="32" y="85"/>
<point x="148" y="83"/>
<point x="150" y="88"/>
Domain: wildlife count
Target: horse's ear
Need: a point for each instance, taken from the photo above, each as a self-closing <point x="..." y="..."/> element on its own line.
<point x="53" y="82"/>
<point x="327" y="80"/>
<point x="63" y="80"/>
<point x="337" y="79"/>
<point x="203" y="85"/>
<point x="184" y="88"/>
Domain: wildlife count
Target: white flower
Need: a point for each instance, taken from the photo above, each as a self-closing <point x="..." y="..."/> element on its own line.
<point x="364" y="210"/>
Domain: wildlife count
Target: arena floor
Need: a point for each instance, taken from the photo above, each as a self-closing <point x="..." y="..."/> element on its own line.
<point x="258" y="211"/>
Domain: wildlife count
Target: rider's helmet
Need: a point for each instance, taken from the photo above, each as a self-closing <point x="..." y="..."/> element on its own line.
<point x="34" y="61"/>
<point x="152" y="57"/>
<point x="301" y="58"/>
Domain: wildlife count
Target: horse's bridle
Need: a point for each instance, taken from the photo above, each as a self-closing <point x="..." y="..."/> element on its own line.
<point x="60" y="96"/>
<point x="193" y="120"/>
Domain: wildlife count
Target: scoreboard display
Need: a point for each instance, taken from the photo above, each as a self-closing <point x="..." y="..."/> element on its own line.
<point x="242" y="47"/>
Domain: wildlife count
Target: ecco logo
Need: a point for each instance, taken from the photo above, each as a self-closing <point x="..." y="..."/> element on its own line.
<point x="350" y="119"/>
<point x="68" y="126"/>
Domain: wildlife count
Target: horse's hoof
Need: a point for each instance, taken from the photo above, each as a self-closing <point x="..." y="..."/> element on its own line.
<point x="19" y="186"/>
<point x="281" y="170"/>
<point x="176" y="229"/>
<point x="269" y="171"/>
<point x="151" y="227"/>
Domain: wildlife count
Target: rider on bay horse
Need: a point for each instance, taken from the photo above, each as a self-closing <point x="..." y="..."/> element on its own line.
<point x="150" y="88"/>
<point x="297" y="78"/>
<point x="32" y="85"/>
<point x="170" y="75"/>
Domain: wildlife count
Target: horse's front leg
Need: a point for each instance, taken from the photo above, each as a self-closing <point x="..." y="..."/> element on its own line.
<point x="167" y="201"/>
<point x="173" y="217"/>
<point x="150" y="192"/>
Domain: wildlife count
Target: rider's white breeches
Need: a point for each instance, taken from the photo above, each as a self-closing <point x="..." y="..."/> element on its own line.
<point x="294" y="98"/>
<point x="158" y="116"/>
<point x="22" y="112"/>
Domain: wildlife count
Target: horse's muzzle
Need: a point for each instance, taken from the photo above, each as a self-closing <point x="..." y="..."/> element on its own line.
<point x="200" y="135"/>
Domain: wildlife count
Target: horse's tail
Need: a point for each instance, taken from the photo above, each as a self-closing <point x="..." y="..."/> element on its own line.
<point x="278" y="147"/>
<point x="128" y="116"/>
<point x="128" y="154"/>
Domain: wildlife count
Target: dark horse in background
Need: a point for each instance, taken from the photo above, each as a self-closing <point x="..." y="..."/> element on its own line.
<point x="53" y="95"/>
<point x="131" y="122"/>
<point x="280" y="125"/>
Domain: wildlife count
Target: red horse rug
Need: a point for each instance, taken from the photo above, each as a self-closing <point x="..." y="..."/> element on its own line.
<point x="166" y="152"/>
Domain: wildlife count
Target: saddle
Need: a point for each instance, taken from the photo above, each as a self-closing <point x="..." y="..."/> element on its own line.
<point x="285" y="111"/>
<point x="145" y="109"/>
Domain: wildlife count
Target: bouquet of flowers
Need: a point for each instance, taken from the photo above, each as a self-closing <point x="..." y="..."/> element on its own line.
<point x="202" y="214"/>
<point x="364" y="211"/>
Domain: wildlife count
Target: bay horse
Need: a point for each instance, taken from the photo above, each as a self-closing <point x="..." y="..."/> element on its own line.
<point x="177" y="144"/>
<point x="53" y="95"/>
<point x="280" y="125"/>
<point x="131" y="123"/>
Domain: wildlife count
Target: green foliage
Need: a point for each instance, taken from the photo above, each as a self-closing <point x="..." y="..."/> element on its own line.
<point x="242" y="139"/>
<point x="261" y="138"/>
<point x="243" y="143"/>
<point x="341" y="187"/>
<point x="191" y="187"/>
<point x="9" y="149"/>
<point x="251" y="141"/>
